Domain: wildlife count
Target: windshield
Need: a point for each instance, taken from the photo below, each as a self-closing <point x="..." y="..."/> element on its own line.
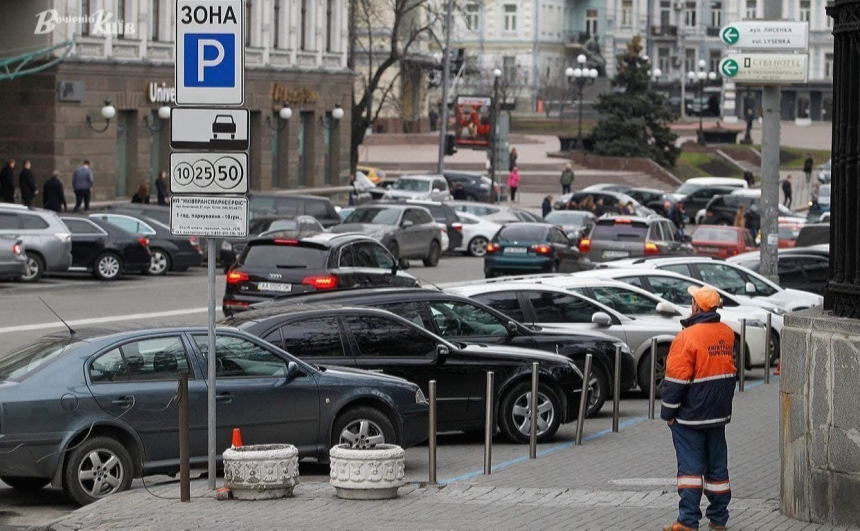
<point x="378" y="216"/>
<point x="711" y="234"/>
<point x="519" y="233"/>
<point x="687" y="188"/>
<point x="20" y="364"/>
<point x="569" y="217"/>
<point x="411" y="185"/>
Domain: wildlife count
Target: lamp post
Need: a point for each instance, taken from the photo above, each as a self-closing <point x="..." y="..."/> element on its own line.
<point x="653" y="76"/>
<point x="284" y="116"/>
<point x="163" y="116"/>
<point x="579" y="77"/>
<point x="701" y="75"/>
<point x="331" y="123"/>
<point x="108" y="112"/>
<point x="494" y="111"/>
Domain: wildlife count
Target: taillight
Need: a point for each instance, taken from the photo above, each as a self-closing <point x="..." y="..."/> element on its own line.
<point x="144" y="241"/>
<point x="584" y="245"/>
<point x="282" y="241"/>
<point x="709" y="214"/>
<point x="321" y="282"/>
<point x="236" y="304"/>
<point x="623" y="220"/>
<point x="651" y="248"/>
<point x="457" y="226"/>
<point x="234" y="277"/>
<point x="541" y="248"/>
<point x="194" y="243"/>
<point x="492" y="247"/>
<point x="17" y="249"/>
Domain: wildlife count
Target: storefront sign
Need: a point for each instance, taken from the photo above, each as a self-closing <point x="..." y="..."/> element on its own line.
<point x="766" y="35"/>
<point x="212" y="216"/>
<point x="282" y="94"/>
<point x="473" y="121"/>
<point x="768" y="68"/>
<point x="161" y="93"/>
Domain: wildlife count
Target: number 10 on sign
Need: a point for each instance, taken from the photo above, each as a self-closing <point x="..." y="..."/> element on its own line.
<point x="209" y="173"/>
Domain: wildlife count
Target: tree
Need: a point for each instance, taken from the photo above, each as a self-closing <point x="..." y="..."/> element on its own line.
<point x="633" y="118"/>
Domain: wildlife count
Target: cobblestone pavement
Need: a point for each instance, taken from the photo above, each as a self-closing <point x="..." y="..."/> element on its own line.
<point x="619" y="481"/>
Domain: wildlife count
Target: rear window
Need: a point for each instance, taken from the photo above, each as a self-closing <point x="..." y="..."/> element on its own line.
<point x="378" y="216"/>
<point x="708" y="234"/>
<point x="20" y="364"/>
<point x="613" y="231"/>
<point x="518" y="233"/>
<point x="789" y="232"/>
<point x="317" y="209"/>
<point x="282" y="256"/>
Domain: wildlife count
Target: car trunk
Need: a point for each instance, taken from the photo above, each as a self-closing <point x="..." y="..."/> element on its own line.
<point x="616" y="239"/>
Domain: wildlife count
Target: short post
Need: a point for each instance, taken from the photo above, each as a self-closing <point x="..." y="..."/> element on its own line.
<point x="652" y="388"/>
<point x="743" y="356"/>
<point x="583" y="399"/>
<point x="488" y="426"/>
<point x="534" y="413"/>
<point x="768" y="359"/>
<point x="616" y="390"/>
<point x="184" y="447"/>
<point x="432" y="442"/>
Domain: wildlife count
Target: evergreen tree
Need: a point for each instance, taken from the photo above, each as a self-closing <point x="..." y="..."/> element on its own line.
<point x="633" y="118"/>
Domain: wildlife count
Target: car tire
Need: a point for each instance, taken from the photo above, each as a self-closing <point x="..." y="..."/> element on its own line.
<point x="362" y="427"/>
<point x="35" y="268"/>
<point x="108" y="266"/>
<point x="111" y="473"/>
<point x="394" y="249"/>
<point x="478" y="247"/>
<point x="26" y="484"/>
<point x="773" y="346"/>
<point x="598" y="384"/>
<point x="160" y="263"/>
<point x="645" y="371"/>
<point x="512" y="413"/>
<point x="433" y="254"/>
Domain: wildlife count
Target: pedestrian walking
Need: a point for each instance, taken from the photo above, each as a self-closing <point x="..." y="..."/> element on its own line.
<point x="142" y="194"/>
<point x="740" y="217"/>
<point x="813" y="196"/>
<point x="546" y="206"/>
<point x="753" y="220"/>
<point x="161" y="188"/>
<point x="7" y="182"/>
<point x="749" y="178"/>
<point x="786" y="191"/>
<point x="82" y="184"/>
<point x="697" y="404"/>
<point x="750" y="117"/>
<point x="460" y="193"/>
<point x="53" y="197"/>
<point x="807" y="168"/>
<point x="434" y="119"/>
<point x="514" y="183"/>
<point x="566" y="179"/>
<point x="27" y="184"/>
<point x="512" y="159"/>
<point x="678" y="217"/>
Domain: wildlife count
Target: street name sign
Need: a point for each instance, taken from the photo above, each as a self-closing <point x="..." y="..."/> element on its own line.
<point x="209" y="216"/>
<point x="217" y="129"/>
<point x="210" y="52"/>
<point x="776" y="35"/>
<point x="208" y="173"/>
<point x="765" y="68"/>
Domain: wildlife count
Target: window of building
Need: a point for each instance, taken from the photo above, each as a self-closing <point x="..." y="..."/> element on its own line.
<point x="510" y="22"/>
<point x="248" y="25"/>
<point x="329" y="25"/>
<point x="665" y="14"/>
<point x="716" y="14"/>
<point x="509" y="68"/>
<point x="276" y="23"/>
<point x="156" y="20"/>
<point x="752" y="9"/>
<point x="120" y="19"/>
<point x="804" y="10"/>
<point x="591" y="22"/>
<point x="303" y="26"/>
<point x="690" y="15"/>
<point x="85" y="14"/>
<point x="626" y="12"/>
<point x="828" y="19"/>
<point x="690" y="60"/>
<point x="714" y="60"/>
<point x="828" y="65"/>
<point x="664" y="60"/>
<point x="473" y="14"/>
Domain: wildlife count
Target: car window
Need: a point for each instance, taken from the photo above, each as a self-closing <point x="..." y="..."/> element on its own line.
<point x="422" y="217"/>
<point x="761" y="287"/>
<point x="633" y="281"/>
<point x="656" y="232"/>
<point x="723" y="277"/>
<point x="237" y="357"/>
<point x="619" y="231"/>
<point x="8" y="221"/>
<point x="378" y="337"/>
<point x="555" y="307"/>
<point x="410" y="215"/>
<point x="673" y="290"/>
<point x="503" y="301"/>
<point x="128" y="224"/>
<point x="411" y="311"/>
<point x="27" y="360"/>
<point x="286" y="206"/>
<point x="681" y="269"/>
<point x="317" y="209"/>
<point x="82" y="226"/>
<point x="346" y="257"/>
<point x="461" y="319"/>
<point x="31" y="222"/>
<point x="147" y="359"/>
<point x="748" y="240"/>
<point x="559" y="237"/>
<point x="283" y="256"/>
<point x="440" y="184"/>
<point x="310" y="338"/>
<point x="524" y="233"/>
<point x="372" y="255"/>
<point x="625" y="301"/>
<point x="715" y="234"/>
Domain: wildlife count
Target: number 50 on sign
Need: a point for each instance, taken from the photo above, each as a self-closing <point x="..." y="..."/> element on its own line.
<point x="209" y="173"/>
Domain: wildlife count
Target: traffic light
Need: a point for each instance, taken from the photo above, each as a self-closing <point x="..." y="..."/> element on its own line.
<point x="450" y="142"/>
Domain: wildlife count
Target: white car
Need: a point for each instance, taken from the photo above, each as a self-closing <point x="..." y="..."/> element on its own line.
<point x="497" y="213"/>
<point x="431" y="187"/>
<point x="477" y="232"/>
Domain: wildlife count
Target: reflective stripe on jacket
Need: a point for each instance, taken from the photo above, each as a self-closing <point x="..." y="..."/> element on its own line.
<point x="700" y="374"/>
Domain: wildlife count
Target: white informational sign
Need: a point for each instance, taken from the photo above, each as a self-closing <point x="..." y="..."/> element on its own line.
<point x="776" y="35"/>
<point x="217" y="129"/>
<point x="209" y="173"/>
<point x="209" y="216"/>
<point x="765" y="68"/>
<point x="210" y="52"/>
<point x="773" y="239"/>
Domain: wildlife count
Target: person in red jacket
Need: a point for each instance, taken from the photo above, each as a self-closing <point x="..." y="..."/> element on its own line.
<point x="697" y="404"/>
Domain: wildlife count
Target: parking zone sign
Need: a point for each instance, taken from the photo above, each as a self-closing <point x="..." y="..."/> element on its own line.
<point x="210" y="52"/>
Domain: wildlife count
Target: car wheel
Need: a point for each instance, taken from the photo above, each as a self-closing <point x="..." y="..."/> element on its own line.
<point x="98" y="467"/>
<point x="35" y="268"/>
<point x="598" y="386"/>
<point x="159" y="264"/>
<point x="660" y="371"/>
<point x="108" y="266"/>
<point x="433" y="255"/>
<point x="478" y="246"/>
<point x="515" y="416"/>
<point x="26" y="484"/>
<point x="773" y="348"/>
<point x="362" y="427"/>
<point x="394" y="249"/>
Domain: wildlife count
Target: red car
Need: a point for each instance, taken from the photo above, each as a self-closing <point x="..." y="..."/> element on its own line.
<point x="721" y="241"/>
<point x="788" y="233"/>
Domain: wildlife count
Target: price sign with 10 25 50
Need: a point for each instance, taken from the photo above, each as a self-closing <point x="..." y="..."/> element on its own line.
<point x="209" y="173"/>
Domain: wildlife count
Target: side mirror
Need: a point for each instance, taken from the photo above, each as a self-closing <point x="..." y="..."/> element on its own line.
<point x="750" y="288"/>
<point x="601" y="319"/>
<point x="403" y="264"/>
<point x="407" y="223"/>
<point x="441" y="352"/>
<point x="512" y="327"/>
<point x="293" y="370"/>
<point x="666" y="308"/>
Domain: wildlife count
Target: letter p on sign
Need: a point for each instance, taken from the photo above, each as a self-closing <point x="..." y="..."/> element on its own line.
<point x="210" y="60"/>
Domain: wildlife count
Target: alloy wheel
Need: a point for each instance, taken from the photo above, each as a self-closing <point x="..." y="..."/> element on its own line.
<point x="108" y="267"/>
<point x="362" y="433"/>
<point x="101" y="473"/>
<point x="158" y="263"/>
<point x="521" y="413"/>
<point x="478" y="246"/>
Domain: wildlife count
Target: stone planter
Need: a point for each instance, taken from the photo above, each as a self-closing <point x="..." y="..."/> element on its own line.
<point x="261" y="472"/>
<point x="367" y="474"/>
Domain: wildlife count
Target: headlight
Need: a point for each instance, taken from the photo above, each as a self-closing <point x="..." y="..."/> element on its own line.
<point x="226" y="246"/>
<point x="576" y="370"/>
<point x="419" y="397"/>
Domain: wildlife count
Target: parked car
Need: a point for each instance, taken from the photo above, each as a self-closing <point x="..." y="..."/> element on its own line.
<point x="813" y="234"/>
<point x="574" y="223"/>
<point x="377" y="340"/>
<point x="406" y="231"/>
<point x="104" y="405"/>
<point x="799" y="268"/>
<point x="525" y="215"/>
<point x="169" y="252"/>
<point x="531" y="248"/>
<point x="13" y="261"/>
<point x="497" y="213"/>
<point x="447" y="217"/>
<point x="608" y="187"/>
<point x="475" y="186"/>
<point x="477" y="233"/>
<point x="430" y="187"/>
<point x="381" y="187"/>
<point x="605" y="202"/>
<point x="698" y="199"/>
<point x="459" y="319"/>
<point x="374" y="174"/>
<point x="298" y="227"/>
<point x="616" y="237"/>
<point x="721" y="241"/>
<point x="106" y="250"/>
<point x="47" y="242"/>
<point x="721" y="210"/>
<point x="824" y="198"/>
<point x="692" y="185"/>
<point x="278" y="267"/>
<point x="269" y="204"/>
<point x="788" y="233"/>
<point x="824" y="172"/>
<point x="159" y="213"/>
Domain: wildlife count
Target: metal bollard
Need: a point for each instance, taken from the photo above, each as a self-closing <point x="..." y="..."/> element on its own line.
<point x="583" y="399"/>
<point x="432" y="442"/>
<point x="742" y="358"/>
<point x="616" y="390"/>
<point x="652" y="390"/>
<point x="767" y="355"/>
<point x="184" y="446"/>
<point x="534" y="413"/>
<point x="488" y="426"/>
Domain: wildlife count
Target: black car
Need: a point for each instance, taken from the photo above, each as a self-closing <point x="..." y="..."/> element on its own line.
<point x="298" y="227"/>
<point x="605" y="202"/>
<point x="97" y="409"/>
<point x="447" y="216"/>
<point x="278" y="267"/>
<point x="105" y="249"/>
<point x="531" y="248"/>
<point x="290" y="206"/>
<point x="721" y="210"/>
<point x="169" y="252"/>
<point x="476" y="187"/>
<point x="457" y="318"/>
<point x="159" y="213"/>
<point x="813" y="234"/>
<point x="368" y="338"/>
<point x="697" y="199"/>
<point x="803" y="268"/>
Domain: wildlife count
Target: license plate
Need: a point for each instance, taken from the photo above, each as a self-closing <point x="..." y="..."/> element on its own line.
<point x="516" y="250"/>
<point x="616" y="254"/>
<point x="709" y="249"/>
<point x="274" y="286"/>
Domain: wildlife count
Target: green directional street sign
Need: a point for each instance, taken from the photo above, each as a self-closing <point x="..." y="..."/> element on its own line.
<point x="730" y="35"/>
<point x="729" y="68"/>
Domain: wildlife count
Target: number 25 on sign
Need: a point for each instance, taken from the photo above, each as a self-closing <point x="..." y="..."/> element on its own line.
<point x="208" y="173"/>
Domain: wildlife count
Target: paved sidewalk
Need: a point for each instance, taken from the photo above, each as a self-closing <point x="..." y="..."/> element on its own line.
<point x="619" y="481"/>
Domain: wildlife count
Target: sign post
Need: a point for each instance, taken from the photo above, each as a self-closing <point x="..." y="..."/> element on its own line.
<point x="209" y="184"/>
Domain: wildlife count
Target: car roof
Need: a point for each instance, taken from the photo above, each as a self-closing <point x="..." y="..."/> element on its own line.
<point x="334" y="297"/>
<point x="323" y="239"/>
<point x="726" y="181"/>
<point x="264" y="313"/>
<point x="293" y="196"/>
<point x="423" y="176"/>
<point x="633" y="219"/>
<point x="97" y="333"/>
<point x="490" y="287"/>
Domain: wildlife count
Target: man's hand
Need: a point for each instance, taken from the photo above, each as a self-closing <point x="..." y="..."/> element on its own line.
<point x="670" y="422"/>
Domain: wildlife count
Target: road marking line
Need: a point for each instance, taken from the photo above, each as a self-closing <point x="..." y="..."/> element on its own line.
<point x="102" y="320"/>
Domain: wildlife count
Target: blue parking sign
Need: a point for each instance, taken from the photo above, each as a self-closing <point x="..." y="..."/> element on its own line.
<point x="210" y="60"/>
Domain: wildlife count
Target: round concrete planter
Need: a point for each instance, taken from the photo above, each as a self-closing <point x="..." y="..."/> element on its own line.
<point x="367" y="474"/>
<point x="261" y="472"/>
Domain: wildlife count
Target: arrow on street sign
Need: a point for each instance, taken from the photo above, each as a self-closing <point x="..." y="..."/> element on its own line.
<point x="730" y="35"/>
<point x="729" y="68"/>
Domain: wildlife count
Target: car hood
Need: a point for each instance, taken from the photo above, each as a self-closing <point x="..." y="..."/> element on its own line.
<point x="369" y="377"/>
<point x="404" y="194"/>
<point x="499" y="351"/>
<point x="365" y="228"/>
<point x="791" y="299"/>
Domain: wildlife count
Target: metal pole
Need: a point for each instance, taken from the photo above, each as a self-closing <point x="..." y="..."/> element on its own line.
<point x="770" y="166"/>
<point x="652" y="388"/>
<point x="446" y="72"/>
<point x="211" y="246"/>
<point x="488" y="426"/>
<point x="616" y="390"/>
<point x="583" y="399"/>
<point x="494" y="120"/>
<point x="534" y="413"/>
<point x="432" y="443"/>
<point x="701" y="111"/>
<point x="184" y="447"/>
<point x="580" y="85"/>
<point x="682" y="53"/>
<point x="743" y="356"/>
<point x="768" y="360"/>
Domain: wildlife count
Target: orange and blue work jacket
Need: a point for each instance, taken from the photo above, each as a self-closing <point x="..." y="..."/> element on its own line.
<point x="700" y="374"/>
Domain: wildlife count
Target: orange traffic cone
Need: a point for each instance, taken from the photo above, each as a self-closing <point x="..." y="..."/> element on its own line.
<point x="237" y="438"/>
<point x="778" y="366"/>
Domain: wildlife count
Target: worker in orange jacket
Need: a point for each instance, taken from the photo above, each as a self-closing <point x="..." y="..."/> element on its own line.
<point x="697" y="404"/>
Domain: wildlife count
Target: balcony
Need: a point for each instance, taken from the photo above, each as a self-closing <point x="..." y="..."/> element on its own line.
<point x="665" y="32"/>
<point x="576" y="39"/>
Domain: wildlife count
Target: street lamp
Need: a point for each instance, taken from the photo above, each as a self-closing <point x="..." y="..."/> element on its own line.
<point x="494" y="111"/>
<point x="108" y="112"/>
<point x="701" y="75"/>
<point x="163" y="116"/>
<point x="579" y="77"/>
<point x="330" y="123"/>
<point x="284" y="116"/>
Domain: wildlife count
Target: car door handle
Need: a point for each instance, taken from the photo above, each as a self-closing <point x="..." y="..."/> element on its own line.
<point x="125" y="401"/>
<point x="224" y="397"/>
